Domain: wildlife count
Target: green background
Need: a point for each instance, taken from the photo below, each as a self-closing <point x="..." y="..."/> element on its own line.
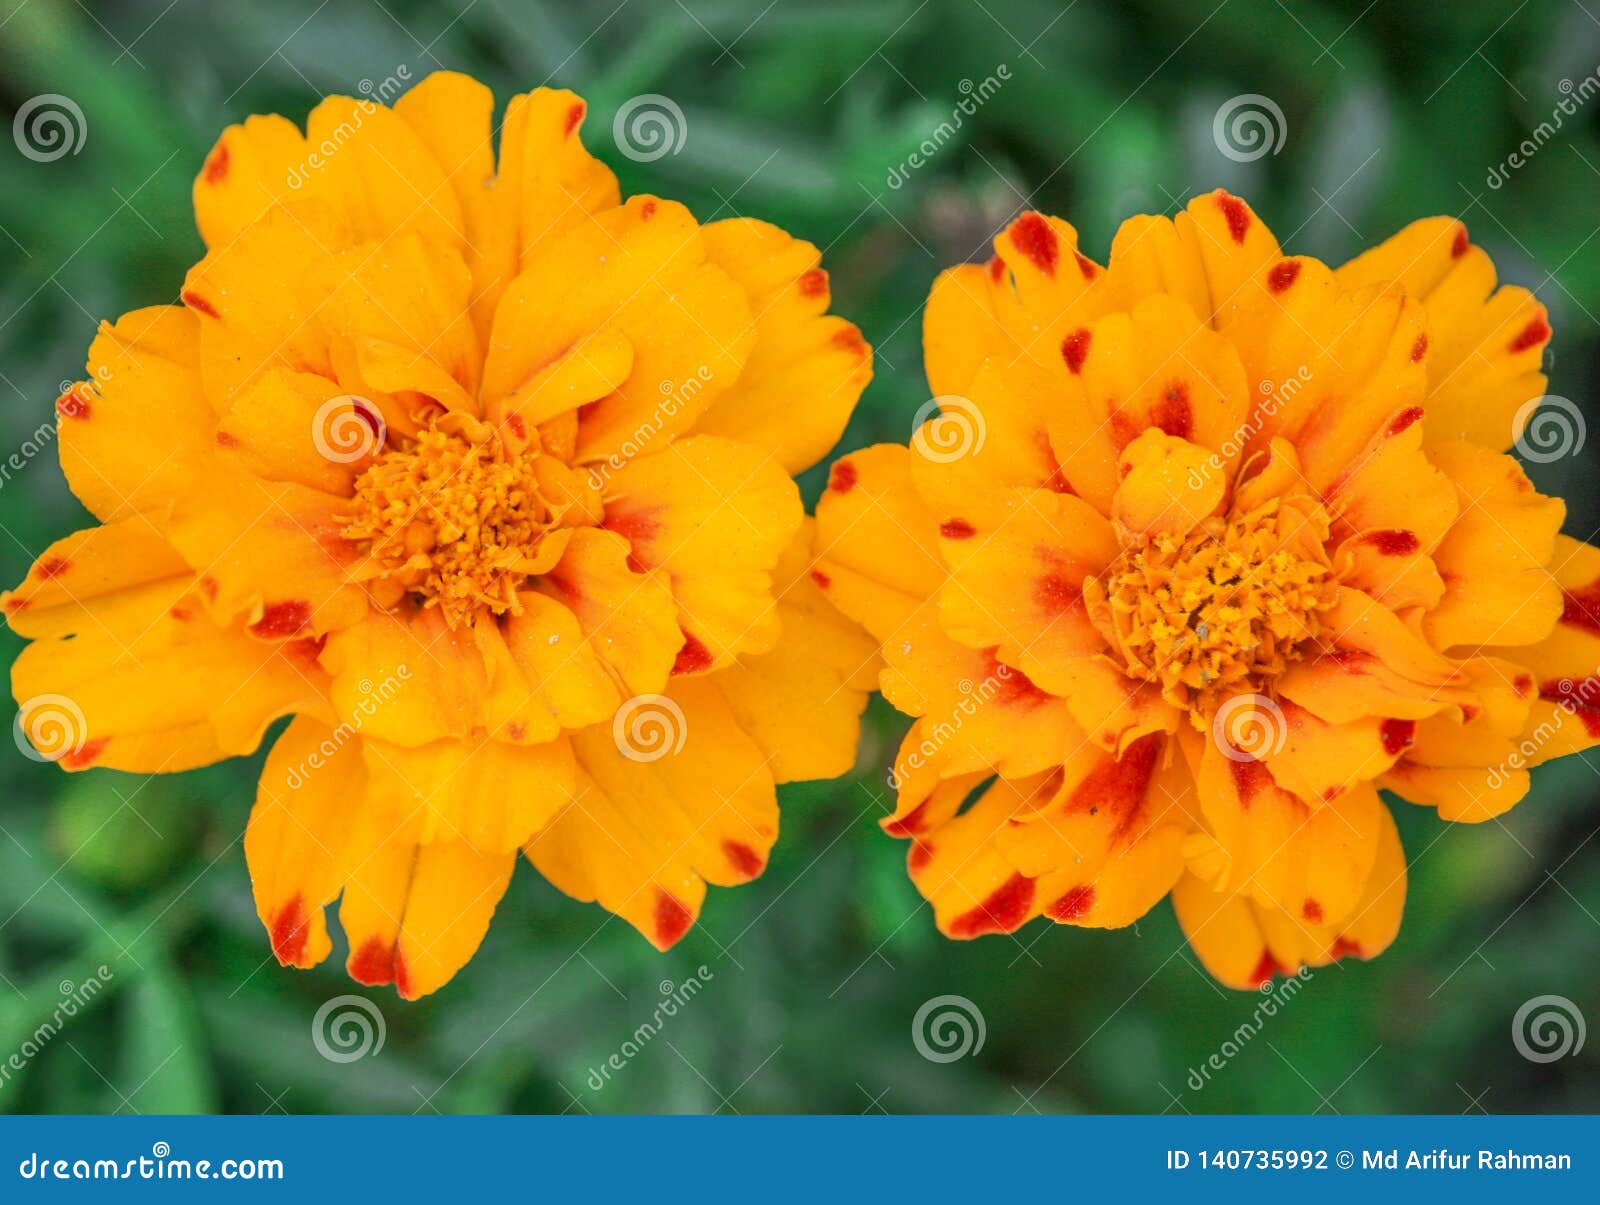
<point x="795" y="113"/>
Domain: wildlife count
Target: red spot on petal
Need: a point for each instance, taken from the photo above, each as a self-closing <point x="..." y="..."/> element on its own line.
<point x="216" y="169"/>
<point x="1173" y="414"/>
<point x="15" y="603"/>
<point x="997" y="268"/>
<point x="1235" y="212"/>
<point x="1016" y="688"/>
<point x="1055" y="594"/>
<point x="849" y="339"/>
<point x="1032" y="236"/>
<point x="1283" y="274"/>
<point x="1005" y="909"/>
<point x="74" y="403"/>
<point x="402" y="977"/>
<point x="1580" y="698"/>
<point x="208" y="587"/>
<point x="373" y="964"/>
<point x="843" y="478"/>
<point x="1532" y="335"/>
<point x="1393" y="542"/>
<point x="289" y="931"/>
<point x="1086" y="266"/>
<point x="198" y="303"/>
<point x="671" y="919"/>
<point x="821" y="578"/>
<point x="1265" y="969"/>
<point x="918" y="856"/>
<point x="574" y="116"/>
<point x="518" y="427"/>
<point x="647" y="210"/>
<point x="226" y="439"/>
<point x="1397" y="736"/>
<point x="1344" y="946"/>
<point x="84" y="756"/>
<point x="53" y="566"/>
<point x="639" y="528"/>
<point x="1074" y="905"/>
<point x="692" y="657"/>
<point x="181" y="614"/>
<point x="957" y="529"/>
<point x="1580" y="608"/>
<point x="280" y="620"/>
<point x="1404" y="419"/>
<point x="1075" y="349"/>
<point x="743" y="859"/>
<point x="813" y="283"/>
<point x="516" y="731"/>
<point x="1312" y="911"/>
<point x="1458" y="248"/>
<point x="1250" y="778"/>
<point x="1523" y="685"/>
<point x="1118" y="785"/>
<point x="1419" y="348"/>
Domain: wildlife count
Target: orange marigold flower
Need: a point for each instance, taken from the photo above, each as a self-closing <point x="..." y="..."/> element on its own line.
<point x="1204" y="548"/>
<point x="484" y="475"/>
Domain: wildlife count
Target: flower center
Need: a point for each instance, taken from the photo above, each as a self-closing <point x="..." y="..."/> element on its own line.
<point x="460" y="517"/>
<point x="1225" y="609"/>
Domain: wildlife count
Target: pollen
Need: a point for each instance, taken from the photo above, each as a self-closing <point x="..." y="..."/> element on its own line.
<point x="1227" y="608"/>
<point x="462" y="517"/>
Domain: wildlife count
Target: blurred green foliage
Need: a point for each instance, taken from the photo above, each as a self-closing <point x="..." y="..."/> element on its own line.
<point x="796" y="112"/>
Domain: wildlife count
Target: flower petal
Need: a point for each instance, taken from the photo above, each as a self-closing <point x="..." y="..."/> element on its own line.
<point x="648" y="828"/>
<point x="714" y="515"/>
<point x="806" y="370"/>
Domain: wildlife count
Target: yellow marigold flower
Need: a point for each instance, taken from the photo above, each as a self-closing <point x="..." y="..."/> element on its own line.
<point x="1204" y="548"/>
<point x="484" y="475"/>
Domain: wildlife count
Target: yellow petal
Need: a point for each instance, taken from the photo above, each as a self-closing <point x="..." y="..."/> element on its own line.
<point x="652" y="823"/>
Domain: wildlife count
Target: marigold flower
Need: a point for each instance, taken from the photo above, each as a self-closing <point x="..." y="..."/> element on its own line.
<point x="1204" y="549"/>
<point x="483" y="475"/>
